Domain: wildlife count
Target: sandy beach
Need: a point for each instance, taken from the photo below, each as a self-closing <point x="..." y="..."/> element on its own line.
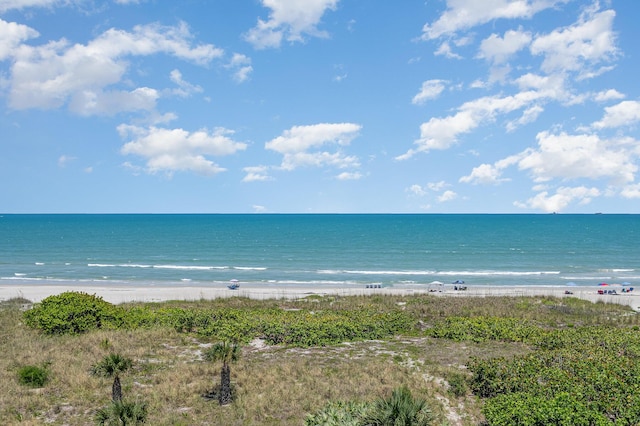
<point x="122" y="294"/>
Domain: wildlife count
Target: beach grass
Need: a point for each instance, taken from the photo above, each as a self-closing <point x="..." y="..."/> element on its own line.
<point x="274" y="385"/>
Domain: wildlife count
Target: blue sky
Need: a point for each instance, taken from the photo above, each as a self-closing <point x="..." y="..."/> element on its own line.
<point x="319" y="106"/>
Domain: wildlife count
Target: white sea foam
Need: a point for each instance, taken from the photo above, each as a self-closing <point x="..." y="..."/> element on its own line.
<point x="250" y="268"/>
<point x="367" y="272"/>
<point x="442" y="273"/>
<point x="145" y="266"/>
<point x="497" y="273"/>
<point x="590" y="278"/>
<point x="185" y="267"/>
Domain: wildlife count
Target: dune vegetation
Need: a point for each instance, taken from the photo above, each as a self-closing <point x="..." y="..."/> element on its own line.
<point x="319" y="360"/>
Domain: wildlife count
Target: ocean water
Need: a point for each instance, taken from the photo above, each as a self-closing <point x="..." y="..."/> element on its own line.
<point x="319" y="251"/>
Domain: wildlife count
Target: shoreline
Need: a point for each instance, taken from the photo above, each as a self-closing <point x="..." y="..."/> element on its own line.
<point x="127" y="293"/>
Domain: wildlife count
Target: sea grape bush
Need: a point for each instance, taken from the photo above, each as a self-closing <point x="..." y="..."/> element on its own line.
<point x="278" y="326"/>
<point x="480" y="329"/>
<point x="524" y="409"/>
<point x="73" y="313"/>
<point x="573" y="376"/>
<point x="304" y="328"/>
<point x="604" y="381"/>
<point x="589" y="376"/>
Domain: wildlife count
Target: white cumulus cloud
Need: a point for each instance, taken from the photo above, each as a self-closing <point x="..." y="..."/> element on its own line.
<point x="289" y="20"/>
<point x="256" y="174"/>
<point x="6" y="5"/>
<point x="310" y="145"/>
<point x="441" y="133"/>
<point x="588" y="43"/>
<point x="625" y="113"/>
<point x="563" y="197"/>
<point x="631" y="191"/>
<point x="241" y="67"/>
<point x="85" y="76"/>
<point x="12" y="35"/>
<point x="171" y="150"/>
<point x="430" y="89"/>
<point x="607" y="95"/>
<point x="447" y="196"/>
<point x="498" y="49"/>
<point x="465" y="14"/>
<point x="587" y="156"/>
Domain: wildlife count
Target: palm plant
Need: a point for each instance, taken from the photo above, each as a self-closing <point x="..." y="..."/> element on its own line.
<point x="122" y="413"/>
<point x="226" y="352"/>
<point x="339" y="413"/>
<point x="402" y="409"/>
<point x="113" y="365"/>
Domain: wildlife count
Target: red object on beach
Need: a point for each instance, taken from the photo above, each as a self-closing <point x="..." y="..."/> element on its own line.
<point x="603" y="284"/>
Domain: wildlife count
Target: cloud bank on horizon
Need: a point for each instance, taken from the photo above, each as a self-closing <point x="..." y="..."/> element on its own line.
<point x="319" y="106"/>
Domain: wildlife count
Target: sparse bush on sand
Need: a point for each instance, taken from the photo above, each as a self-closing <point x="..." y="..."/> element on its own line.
<point x="35" y="376"/>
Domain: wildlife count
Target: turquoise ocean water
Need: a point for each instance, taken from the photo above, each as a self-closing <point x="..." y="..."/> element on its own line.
<point x="316" y="251"/>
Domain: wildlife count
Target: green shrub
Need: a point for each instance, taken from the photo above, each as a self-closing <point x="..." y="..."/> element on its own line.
<point x="482" y="329"/>
<point x="585" y="375"/>
<point x="529" y="410"/>
<point x="33" y="375"/>
<point x="143" y="317"/>
<point x="303" y="328"/>
<point x="73" y="313"/>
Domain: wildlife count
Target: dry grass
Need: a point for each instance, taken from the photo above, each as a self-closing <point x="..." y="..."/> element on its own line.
<point x="274" y="385"/>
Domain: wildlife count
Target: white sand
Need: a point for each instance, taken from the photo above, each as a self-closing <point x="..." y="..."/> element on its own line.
<point x="121" y="294"/>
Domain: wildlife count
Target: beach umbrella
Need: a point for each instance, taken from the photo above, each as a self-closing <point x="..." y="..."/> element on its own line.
<point x="435" y="282"/>
<point x="603" y="284"/>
